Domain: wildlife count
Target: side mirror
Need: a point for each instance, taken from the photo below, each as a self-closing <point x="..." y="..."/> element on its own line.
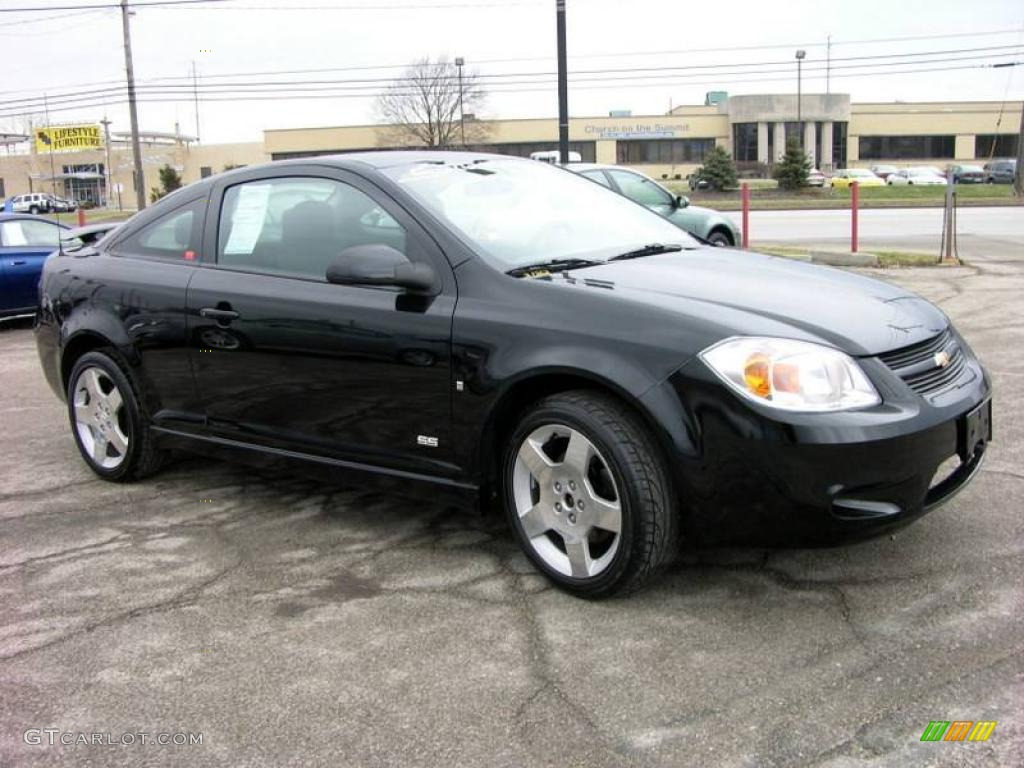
<point x="380" y="265"/>
<point x="682" y="201"/>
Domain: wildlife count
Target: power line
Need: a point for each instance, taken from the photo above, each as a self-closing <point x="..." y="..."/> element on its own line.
<point x="532" y="88"/>
<point x="508" y="78"/>
<point x="97" y="6"/>
<point x="372" y="67"/>
<point x="612" y="74"/>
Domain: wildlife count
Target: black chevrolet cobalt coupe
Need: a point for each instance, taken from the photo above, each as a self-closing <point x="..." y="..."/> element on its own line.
<point x="504" y="329"/>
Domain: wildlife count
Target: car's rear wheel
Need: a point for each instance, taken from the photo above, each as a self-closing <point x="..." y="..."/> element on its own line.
<point x="588" y="496"/>
<point x="720" y="239"/>
<point x="107" y="421"/>
<point x="34" y="210"/>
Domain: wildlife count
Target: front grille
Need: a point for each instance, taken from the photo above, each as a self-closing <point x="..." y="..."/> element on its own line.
<point x="917" y="365"/>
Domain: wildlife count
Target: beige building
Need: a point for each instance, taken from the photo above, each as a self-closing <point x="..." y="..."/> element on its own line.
<point x="752" y="128"/>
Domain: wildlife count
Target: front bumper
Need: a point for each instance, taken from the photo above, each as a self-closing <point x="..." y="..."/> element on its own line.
<point x="758" y="476"/>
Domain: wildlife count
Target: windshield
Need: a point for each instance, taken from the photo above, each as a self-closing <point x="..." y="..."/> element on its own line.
<point x="519" y="212"/>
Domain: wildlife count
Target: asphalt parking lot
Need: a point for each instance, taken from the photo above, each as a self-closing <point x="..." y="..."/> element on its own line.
<point x="296" y="624"/>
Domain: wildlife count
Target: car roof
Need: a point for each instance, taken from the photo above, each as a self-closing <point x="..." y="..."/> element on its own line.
<point x="28" y="217"/>
<point x="392" y="158"/>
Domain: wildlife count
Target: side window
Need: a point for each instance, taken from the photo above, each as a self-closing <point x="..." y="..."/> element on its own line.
<point x="26" y="232"/>
<point x="297" y="225"/>
<point x="599" y="177"/>
<point x="174" y="235"/>
<point x="640" y="189"/>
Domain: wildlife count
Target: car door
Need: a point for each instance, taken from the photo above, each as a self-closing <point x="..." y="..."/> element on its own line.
<point x="24" y="246"/>
<point x="143" y="273"/>
<point x="284" y="359"/>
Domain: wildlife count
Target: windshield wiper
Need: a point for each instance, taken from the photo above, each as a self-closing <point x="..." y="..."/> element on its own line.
<point x="652" y="249"/>
<point x="555" y="265"/>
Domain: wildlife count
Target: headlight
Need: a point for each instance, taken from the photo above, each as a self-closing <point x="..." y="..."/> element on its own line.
<point x="791" y="375"/>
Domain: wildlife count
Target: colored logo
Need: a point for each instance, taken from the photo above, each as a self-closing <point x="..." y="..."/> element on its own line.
<point x="958" y="730"/>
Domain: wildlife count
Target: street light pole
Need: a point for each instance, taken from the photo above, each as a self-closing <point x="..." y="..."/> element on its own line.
<point x="799" y="116"/>
<point x="133" y="112"/>
<point x="563" y="85"/>
<point x="459" y="62"/>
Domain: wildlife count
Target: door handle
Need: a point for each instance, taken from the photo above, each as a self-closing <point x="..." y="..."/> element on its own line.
<point x="18" y="263"/>
<point x="224" y="316"/>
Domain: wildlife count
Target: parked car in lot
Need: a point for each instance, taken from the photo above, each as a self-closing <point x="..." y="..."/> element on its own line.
<point x="815" y="178"/>
<point x="78" y="237"/>
<point x="968" y="174"/>
<point x="919" y="175"/>
<point x="844" y="177"/>
<point x="501" y="328"/>
<point x="883" y="171"/>
<point x="705" y="223"/>
<point x="61" y="205"/>
<point x="25" y="242"/>
<point x="695" y="181"/>
<point x="1000" y="171"/>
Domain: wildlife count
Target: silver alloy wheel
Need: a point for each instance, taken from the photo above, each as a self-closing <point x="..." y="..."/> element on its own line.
<point x="100" y="418"/>
<point x="566" y="500"/>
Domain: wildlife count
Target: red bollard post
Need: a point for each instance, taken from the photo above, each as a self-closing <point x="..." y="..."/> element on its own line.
<point x="81" y="217"/>
<point x="745" y="200"/>
<point x="854" y="203"/>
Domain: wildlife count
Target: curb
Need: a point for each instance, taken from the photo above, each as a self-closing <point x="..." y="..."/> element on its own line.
<point x="835" y="259"/>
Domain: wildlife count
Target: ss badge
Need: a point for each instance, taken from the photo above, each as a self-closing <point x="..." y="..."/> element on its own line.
<point x="427" y="440"/>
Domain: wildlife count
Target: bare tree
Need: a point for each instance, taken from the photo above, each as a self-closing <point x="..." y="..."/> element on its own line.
<point x="422" y="107"/>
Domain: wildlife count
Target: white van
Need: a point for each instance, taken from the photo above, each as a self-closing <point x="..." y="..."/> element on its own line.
<point x="36" y="202"/>
<point x="553" y="157"/>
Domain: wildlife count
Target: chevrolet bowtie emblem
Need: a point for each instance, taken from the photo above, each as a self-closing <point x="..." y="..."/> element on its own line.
<point x="942" y="359"/>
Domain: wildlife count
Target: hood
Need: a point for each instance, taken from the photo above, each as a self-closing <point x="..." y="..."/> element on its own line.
<point x="745" y="293"/>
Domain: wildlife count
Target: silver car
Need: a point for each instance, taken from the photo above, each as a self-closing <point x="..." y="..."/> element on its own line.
<point x="707" y="224"/>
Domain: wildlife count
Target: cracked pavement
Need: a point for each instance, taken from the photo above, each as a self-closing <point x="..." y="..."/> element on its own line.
<point x="294" y="623"/>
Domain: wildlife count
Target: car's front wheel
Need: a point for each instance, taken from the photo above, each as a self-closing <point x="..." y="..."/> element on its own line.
<point x="720" y="239"/>
<point x="588" y="496"/>
<point x="107" y="421"/>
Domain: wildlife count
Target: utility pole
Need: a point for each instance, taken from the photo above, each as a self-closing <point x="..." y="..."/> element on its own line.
<point x="563" y="86"/>
<point x="1018" y="176"/>
<point x="107" y="144"/>
<point x="459" y="61"/>
<point x="195" y="97"/>
<point x="799" y="72"/>
<point x="137" y="173"/>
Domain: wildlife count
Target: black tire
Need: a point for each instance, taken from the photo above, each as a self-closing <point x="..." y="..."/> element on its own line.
<point x="720" y="239"/>
<point x="650" y="521"/>
<point x="142" y="457"/>
<point x="34" y="210"/>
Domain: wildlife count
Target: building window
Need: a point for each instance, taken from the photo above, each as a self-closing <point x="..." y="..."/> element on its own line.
<point x="744" y="142"/>
<point x="838" y="158"/>
<point x="205" y="171"/>
<point x="907" y="147"/>
<point x="793" y="133"/>
<point x="992" y="145"/>
<point x="665" y="151"/>
<point x="85" y="183"/>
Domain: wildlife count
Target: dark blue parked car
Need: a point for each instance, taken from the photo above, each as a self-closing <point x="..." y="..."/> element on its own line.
<point x="25" y="242"/>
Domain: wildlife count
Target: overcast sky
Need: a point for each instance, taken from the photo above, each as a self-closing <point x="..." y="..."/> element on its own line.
<point x="686" y="42"/>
